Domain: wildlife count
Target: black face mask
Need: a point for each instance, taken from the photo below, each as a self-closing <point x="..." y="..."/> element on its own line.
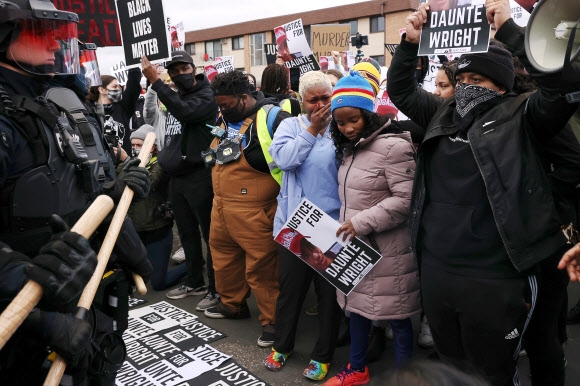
<point x="183" y="82"/>
<point x="233" y="115"/>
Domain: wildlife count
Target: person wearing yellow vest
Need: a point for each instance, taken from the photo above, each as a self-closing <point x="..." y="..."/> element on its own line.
<point x="246" y="183"/>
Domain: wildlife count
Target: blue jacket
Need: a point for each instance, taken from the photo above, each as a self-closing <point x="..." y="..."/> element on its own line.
<point x="310" y="169"/>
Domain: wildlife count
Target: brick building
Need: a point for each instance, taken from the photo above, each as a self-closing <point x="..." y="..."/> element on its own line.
<point x="380" y="20"/>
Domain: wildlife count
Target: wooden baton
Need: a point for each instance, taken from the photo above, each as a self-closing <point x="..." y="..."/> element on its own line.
<point x="59" y="365"/>
<point x="32" y="292"/>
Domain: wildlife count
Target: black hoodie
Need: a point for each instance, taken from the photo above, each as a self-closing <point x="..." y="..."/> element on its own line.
<point x="194" y="110"/>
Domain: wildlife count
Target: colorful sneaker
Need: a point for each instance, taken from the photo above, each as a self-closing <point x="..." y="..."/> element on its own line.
<point x="348" y="377"/>
<point x="276" y="360"/>
<point x="316" y="370"/>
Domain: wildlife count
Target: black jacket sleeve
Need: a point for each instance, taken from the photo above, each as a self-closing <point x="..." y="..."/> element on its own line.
<point x="416" y="103"/>
<point x="194" y="109"/>
<point x="547" y="111"/>
<point x="132" y="91"/>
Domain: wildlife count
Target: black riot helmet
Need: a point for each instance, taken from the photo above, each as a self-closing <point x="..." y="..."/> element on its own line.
<point x="38" y="38"/>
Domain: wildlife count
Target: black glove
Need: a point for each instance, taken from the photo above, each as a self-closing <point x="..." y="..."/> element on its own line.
<point x="68" y="336"/>
<point x="12" y="273"/>
<point x="63" y="268"/>
<point x="132" y="175"/>
<point x="130" y="251"/>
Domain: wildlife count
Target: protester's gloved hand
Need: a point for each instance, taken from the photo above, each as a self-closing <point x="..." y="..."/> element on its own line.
<point x="133" y="176"/>
<point x="63" y="267"/>
<point x="68" y="336"/>
<point x="130" y="251"/>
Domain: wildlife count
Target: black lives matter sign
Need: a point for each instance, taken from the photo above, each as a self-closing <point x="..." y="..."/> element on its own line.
<point x="456" y="30"/>
<point x="143" y="30"/>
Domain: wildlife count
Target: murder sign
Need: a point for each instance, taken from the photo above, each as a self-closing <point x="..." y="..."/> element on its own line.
<point x="329" y="37"/>
<point x="143" y="31"/>
<point x="461" y="28"/>
<point x="310" y="234"/>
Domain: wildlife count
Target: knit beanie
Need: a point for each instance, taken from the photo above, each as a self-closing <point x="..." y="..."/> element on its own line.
<point x="353" y="91"/>
<point x="142" y="132"/>
<point x="496" y="64"/>
<point x="370" y="73"/>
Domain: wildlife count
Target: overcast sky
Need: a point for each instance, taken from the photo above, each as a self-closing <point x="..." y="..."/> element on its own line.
<point x="198" y="14"/>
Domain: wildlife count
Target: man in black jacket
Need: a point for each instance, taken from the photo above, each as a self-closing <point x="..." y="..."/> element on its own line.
<point x="482" y="213"/>
<point x="190" y="187"/>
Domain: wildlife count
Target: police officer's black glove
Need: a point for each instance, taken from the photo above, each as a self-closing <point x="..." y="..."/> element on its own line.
<point x="133" y="176"/>
<point x="12" y="273"/>
<point x="68" y="336"/>
<point x="131" y="253"/>
<point x="63" y="267"/>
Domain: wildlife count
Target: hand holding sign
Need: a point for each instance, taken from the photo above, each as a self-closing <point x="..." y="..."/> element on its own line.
<point x="497" y="12"/>
<point x="414" y="23"/>
<point x="149" y="70"/>
<point x="348" y="229"/>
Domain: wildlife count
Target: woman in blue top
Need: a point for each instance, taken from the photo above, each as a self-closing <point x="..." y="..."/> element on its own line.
<point x="303" y="149"/>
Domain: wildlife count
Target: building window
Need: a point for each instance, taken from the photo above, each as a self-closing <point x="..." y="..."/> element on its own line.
<point x="380" y="59"/>
<point x="238" y="43"/>
<point x="213" y="49"/>
<point x="190" y="48"/>
<point x="257" y="54"/>
<point x="377" y="24"/>
<point x="353" y="26"/>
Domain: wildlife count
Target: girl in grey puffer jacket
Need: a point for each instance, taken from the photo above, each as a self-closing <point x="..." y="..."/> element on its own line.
<point x="375" y="182"/>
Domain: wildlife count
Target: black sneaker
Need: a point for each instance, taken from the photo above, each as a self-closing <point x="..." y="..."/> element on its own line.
<point x="574" y="315"/>
<point x="267" y="337"/>
<point x="220" y="311"/>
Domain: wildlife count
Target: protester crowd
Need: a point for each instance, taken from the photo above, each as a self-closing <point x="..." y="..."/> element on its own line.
<point x="465" y="202"/>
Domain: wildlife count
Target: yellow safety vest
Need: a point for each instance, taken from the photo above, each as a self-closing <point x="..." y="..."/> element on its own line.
<point x="266" y="141"/>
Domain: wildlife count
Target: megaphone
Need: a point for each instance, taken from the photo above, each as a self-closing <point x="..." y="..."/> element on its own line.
<point x="552" y="40"/>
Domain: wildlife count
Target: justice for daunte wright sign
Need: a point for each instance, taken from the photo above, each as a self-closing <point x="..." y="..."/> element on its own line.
<point x="310" y="234"/>
<point x="143" y="31"/>
<point x="459" y="26"/>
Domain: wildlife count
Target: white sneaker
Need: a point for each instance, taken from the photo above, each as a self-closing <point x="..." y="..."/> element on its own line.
<point x="425" y="339"/>
<point x="179" y="256"/>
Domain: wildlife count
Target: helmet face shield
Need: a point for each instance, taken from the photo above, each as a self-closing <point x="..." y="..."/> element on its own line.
<point x="45" y="47"/>
<point x="90" y="67"/>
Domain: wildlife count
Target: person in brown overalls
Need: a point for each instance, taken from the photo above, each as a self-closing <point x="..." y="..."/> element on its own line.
<point x="245" y="183"/>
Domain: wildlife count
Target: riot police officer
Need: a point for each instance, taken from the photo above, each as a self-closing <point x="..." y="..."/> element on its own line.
<point x="53" y="160"/>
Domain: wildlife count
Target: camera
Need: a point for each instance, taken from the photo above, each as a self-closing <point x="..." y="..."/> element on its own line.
<point x="217" y="131"/>
<point x="164" y="211"/>
<point x="111" y="136"/>
<point x="208" y="157"/>
<point x="359" y="40"/>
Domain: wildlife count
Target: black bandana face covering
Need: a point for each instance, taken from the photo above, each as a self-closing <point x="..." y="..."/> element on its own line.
<point x="469" y="96"/>
<point x="472" y="100"/>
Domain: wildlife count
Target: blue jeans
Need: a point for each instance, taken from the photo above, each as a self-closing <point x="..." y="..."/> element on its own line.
<point x="360" y="328"/>
<point x="159" y="253"/>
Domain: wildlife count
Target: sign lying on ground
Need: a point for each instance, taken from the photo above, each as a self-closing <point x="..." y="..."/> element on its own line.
<point x="310" y="234"/>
